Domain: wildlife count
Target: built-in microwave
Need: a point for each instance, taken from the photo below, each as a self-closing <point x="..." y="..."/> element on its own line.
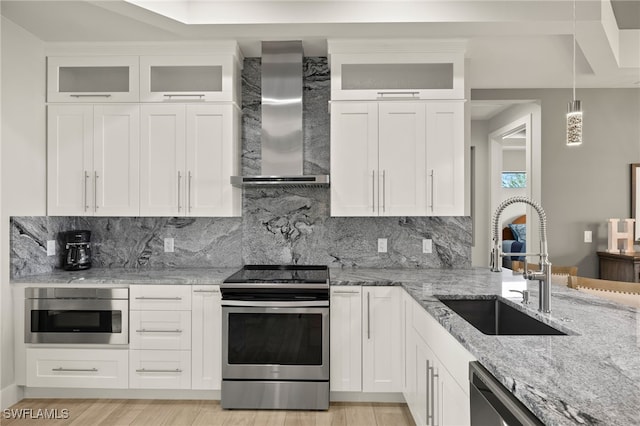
<point x="77" y="315"/>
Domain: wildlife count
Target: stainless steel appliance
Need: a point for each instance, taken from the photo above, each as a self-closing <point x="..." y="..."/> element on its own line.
<point x="77" y="315"/>
<point x="275" y="338"/>
<point x="77" y="250"/>
<point x="492" y="404"/>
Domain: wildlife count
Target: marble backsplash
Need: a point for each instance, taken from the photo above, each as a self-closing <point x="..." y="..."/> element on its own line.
<point x="278" y="225"/>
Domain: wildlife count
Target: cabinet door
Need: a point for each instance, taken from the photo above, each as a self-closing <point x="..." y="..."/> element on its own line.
<point x="453" y="403"/>
<point x="211" y="157"/>
<point x="445" y="158"/>
<point x="408" y="361"/>
<point x="346" y="332"/>
<point x="354" y="159"/>
<point x="206" y="345"/>
<point x="381" y="341"/>
<point x="116" y="160"/>
<point x="162" y="160"/>
<point x="186" y="78"/>
<point x="92" y="79"/>
<point x="69" y="160"/>
<point x="402" y="173"/>
<point x="420" y="405"/>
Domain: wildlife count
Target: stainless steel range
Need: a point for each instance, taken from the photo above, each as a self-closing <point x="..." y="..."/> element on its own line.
<point x="275" y="338"/>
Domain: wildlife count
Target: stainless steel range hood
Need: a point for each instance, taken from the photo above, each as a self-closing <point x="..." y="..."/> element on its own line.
<point x="281" y="141"/>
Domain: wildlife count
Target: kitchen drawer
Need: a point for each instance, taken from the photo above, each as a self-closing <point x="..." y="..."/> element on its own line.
<point x="77" y="368"/>
<point x="160" y="297"/>
<point x="160" y="330"/>
<point x="160" y="369"/>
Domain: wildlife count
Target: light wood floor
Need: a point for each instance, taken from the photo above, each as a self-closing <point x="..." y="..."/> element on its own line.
<point x="94" y="412"/>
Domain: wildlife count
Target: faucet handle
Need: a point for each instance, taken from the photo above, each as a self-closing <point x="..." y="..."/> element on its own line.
<point x="525" y="296"/>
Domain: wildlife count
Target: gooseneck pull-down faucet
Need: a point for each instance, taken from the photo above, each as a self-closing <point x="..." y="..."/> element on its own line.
<point x="544" y="275"/>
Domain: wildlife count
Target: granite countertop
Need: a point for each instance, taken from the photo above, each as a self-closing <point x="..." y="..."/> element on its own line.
<point x="589" y="377"/>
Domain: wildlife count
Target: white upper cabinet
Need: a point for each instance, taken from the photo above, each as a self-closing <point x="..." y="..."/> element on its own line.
<point x="188" y="154"/>
<point x="402" y="69"/>
<point x="189" y="78"/>
<point x="92" y="79"/>
<point x="92" y="160"/>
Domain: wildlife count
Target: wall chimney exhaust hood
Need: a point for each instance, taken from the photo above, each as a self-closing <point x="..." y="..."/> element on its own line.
<point x="281" y="139"/>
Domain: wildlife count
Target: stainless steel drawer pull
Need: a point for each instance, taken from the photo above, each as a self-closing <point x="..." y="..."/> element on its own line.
<point x="144" y="330"/>
<point x="344" y="292"/>
<point x="206" y="291"/>
<point x="189" y="193"/>
<point x="91" y="95"/>
<point x="368" y="316"/>
<point x="158" y="298"/>
<point x="188" y="95"/>
<point x="412" y="94"/>
<point x="373" y="191"/>
<point x="95" y="192"/>
<point x="93" y="370"/>
<point x="144" y="370"/>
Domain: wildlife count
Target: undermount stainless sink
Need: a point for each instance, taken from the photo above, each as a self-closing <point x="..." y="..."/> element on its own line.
<point x="495" y="317"/>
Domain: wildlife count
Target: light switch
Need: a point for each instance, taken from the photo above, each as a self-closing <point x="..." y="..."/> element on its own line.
<point x="168" y="245"/>
<point x="382" y="245"/>
<point x="427" y="246"/>
<point x="51" y="247"/>
<point x="587" y="236"/>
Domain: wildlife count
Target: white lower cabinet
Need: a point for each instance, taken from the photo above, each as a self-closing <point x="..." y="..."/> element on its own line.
<point x="77" y="368"/>
<point x="437" y="393"/>
<point x="160" y="337"/>
<point x="206" y="332"/>
<point x="381" y="339"/>
<point x="346" y="340"/>
<point x="160" y="369"/>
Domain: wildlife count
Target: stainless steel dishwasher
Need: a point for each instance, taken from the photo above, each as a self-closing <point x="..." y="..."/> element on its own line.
<point x="492" y="404"/>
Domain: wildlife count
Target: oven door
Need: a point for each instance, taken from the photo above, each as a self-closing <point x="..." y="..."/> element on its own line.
<point x="77" y="321"/>
<point x="275" y="341"/>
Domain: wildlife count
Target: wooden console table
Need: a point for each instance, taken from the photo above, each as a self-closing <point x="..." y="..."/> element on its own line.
<point x="619" y="267"/>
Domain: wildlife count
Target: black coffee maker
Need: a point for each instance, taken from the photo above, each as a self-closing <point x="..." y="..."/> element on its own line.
<point x="77" y="254"/>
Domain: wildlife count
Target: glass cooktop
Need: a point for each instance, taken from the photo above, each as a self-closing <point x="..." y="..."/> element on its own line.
<point x="287" y="274"/>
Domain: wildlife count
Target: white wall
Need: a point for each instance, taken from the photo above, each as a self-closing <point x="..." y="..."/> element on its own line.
<point x="23" y="166"/>
<point x="582" y="187"/>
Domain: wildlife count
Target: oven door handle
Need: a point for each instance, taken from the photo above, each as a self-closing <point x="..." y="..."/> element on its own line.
<point x="275" y="304"/>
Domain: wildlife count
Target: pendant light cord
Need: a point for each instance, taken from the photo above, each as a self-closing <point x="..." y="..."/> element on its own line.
<point x="574" y="50"/>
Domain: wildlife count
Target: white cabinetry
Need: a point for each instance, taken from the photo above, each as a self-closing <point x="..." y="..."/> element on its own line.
<point x="93" y="159"/>
<point x="206" y="329"/>
<point x="160" y="353"/>
<point x="188" y="154"/>
<point x="92" y="79"/>
<point x="379" y="69"/>
<point x="346" y="339"/>
<point x="77" y="368"/>
<point x="188" y="78"/>
<point x="381" y="339"/>
<point x="437" y="365"/>
<point x="397" y="158"/>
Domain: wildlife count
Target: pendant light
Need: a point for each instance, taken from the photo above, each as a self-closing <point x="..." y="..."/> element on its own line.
<point x="574" y="110"/>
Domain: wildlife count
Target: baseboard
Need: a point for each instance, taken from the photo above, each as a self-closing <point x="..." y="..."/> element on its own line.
<point x="366" y="397"/>
<point x="10" y="395"/>
<point x="73" y="393"/>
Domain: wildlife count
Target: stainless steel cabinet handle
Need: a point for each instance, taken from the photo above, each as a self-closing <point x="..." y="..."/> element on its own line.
<point x="75" y="369"/>
<point x="182" y="95"/>
<point x="373" y="191"/>
<point x="179" y="179"/>
<point x="433" y="177"/>
<point x="428" y="394"/>
<point x="344" y="292"/>
<point x="413" y="94"/>
<point x="144" y="330"/>
<point x="189" y="192"/>
<point x="384" y="190"/>
<point x="206" y="291"/>
<point x="86" y="205"/>
<point x="95" y="192"/>
<point x="368" y="315"/>
<point x="157" y="298"/>
<point x="432" y="394"/>
<point x="144" y="370"/>
<point x="91" y="95"/>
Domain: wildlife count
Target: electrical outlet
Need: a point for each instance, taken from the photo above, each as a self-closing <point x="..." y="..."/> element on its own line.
<point x="51" y="247"/>
<point x="168" y="245"/>
<point x="382" y="245"/>
<point x="427" y="246"/>
<point x="587" y="237"/>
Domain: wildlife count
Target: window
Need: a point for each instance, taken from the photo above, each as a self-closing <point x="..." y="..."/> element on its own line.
<point x="514" y="179"/>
